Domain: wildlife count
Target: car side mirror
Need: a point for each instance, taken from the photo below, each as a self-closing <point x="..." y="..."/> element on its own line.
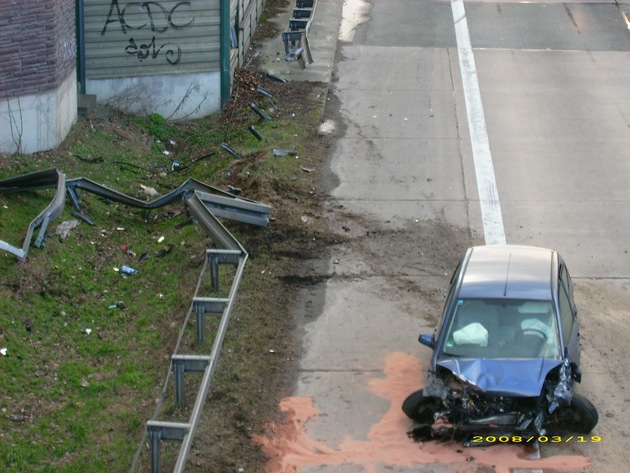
<point x="426" y="339"/>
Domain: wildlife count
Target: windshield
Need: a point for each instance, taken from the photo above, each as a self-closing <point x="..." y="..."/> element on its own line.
<point x="492" y="328"/>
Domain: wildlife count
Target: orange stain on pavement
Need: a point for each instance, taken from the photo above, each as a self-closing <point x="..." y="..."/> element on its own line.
<point x="289" y="447"/>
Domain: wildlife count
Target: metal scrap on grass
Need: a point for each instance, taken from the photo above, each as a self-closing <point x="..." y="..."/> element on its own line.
<point x="220" y="204"/>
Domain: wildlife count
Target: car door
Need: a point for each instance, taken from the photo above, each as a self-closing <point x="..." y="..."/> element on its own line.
<point x="569" y="329"/>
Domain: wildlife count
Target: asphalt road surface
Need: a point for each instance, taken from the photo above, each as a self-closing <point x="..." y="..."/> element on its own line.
<point x="458" y="124"/>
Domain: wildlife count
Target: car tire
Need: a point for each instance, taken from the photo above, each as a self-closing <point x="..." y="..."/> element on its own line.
<point x="583" y="416"/>
<point x="420" y="408"/>
<point x="580" y="417"/>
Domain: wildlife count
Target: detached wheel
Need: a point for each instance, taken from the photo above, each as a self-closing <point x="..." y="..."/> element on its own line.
<point x="420" y="408"/>
<point x="580" y="417"/>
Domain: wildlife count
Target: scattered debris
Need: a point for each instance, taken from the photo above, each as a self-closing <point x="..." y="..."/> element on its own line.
<point x="264" y="92"/>
<point x="127" y="250"/>
<point x="285" y="152"/>
<point x="65" y="228"/>
<point x="4" y="351"/>
<point x="307" y="169"/>
<point x="295" y="55"/>
<point x="262" y="114"/>
<point x="234" y="190"/>
<point x="149" y="191"/>
<point x="223" y="203"/>
<point x="255" y="132"/>
<point x="165" y="251"/>
<point x="128" y="270"/>
<point x="276" y="78"/>
<point x="230" y="150"/>
<point x="83" y="217"/>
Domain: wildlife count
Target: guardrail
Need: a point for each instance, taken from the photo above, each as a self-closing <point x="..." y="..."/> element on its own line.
<point x="203" y="203"/>
<point x="37" y="180"/>
<point x="228" y="252"/>
<point x="295" y="38"/>
<point x="184" y="431"/>
<point x="223" y="204"/>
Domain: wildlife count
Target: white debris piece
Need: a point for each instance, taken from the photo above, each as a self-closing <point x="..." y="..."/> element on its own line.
<point x="64" y="228"/>
<point x="150" y="191"/>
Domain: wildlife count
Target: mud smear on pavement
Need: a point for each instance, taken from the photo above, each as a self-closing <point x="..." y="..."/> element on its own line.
<point x="289" y="447"/>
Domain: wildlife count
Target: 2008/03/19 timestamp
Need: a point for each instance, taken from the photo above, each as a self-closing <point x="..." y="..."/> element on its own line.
<point x="485" y="439"/>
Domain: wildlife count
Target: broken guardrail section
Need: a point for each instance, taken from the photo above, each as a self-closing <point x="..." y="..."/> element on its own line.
<point x="223" y="204"/>
<point x="295" y="38"/>
<point x="37" y="180"/>
<point x="204" y="204"/>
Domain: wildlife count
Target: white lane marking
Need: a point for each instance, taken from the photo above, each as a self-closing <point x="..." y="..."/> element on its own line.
<point x="491" y="217"/>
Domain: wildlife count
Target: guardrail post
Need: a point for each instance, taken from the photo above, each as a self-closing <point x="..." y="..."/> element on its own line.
<point x="203" y="306"/>
<point x="179" y="368"/>
<point x="158" y="431"/>
<point x="214" y="270"/>
<point x="182" y="364"/>
<point x="155" y="437"/>
<point x="217" y="257"/>
<point x="200" y="312"/>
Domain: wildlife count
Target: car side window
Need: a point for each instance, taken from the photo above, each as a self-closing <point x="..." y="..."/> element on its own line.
<point x="566" y="314"/>
<point x="447" y="301"/>
<point x="567" y="284"/>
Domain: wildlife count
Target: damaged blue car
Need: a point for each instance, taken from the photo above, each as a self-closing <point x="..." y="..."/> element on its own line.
<point x="506" y="351"/>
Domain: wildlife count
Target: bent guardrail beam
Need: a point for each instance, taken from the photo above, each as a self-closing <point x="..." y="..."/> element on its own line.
<point x="38" y="180"/>
<point x="224" y="204"/>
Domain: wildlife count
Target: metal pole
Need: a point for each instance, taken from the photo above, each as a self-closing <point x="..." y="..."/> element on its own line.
<point x="80" y="32"/>
<point x="179" y="367"/>
<point x="214" y="272"/>
<point x="225" y="50"/>
<point x="155" y="436"/>
<point x="200" y="323"/>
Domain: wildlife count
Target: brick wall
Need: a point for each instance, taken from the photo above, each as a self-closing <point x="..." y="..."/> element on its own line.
<point x="37" y="45"/>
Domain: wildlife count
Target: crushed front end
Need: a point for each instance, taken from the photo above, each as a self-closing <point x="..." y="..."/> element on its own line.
<point x="462" y="409"/>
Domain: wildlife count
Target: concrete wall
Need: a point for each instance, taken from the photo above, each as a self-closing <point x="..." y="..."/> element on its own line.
<point x="174" y="96"/>
<point x="37" y="80"/>
<point x="37" y="122"/>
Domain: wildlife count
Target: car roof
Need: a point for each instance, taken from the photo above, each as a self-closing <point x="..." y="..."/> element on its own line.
<point x="508" y="272"/>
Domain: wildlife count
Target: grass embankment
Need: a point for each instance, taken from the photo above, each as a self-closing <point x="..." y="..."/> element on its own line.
<point x="87" y="348"/>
